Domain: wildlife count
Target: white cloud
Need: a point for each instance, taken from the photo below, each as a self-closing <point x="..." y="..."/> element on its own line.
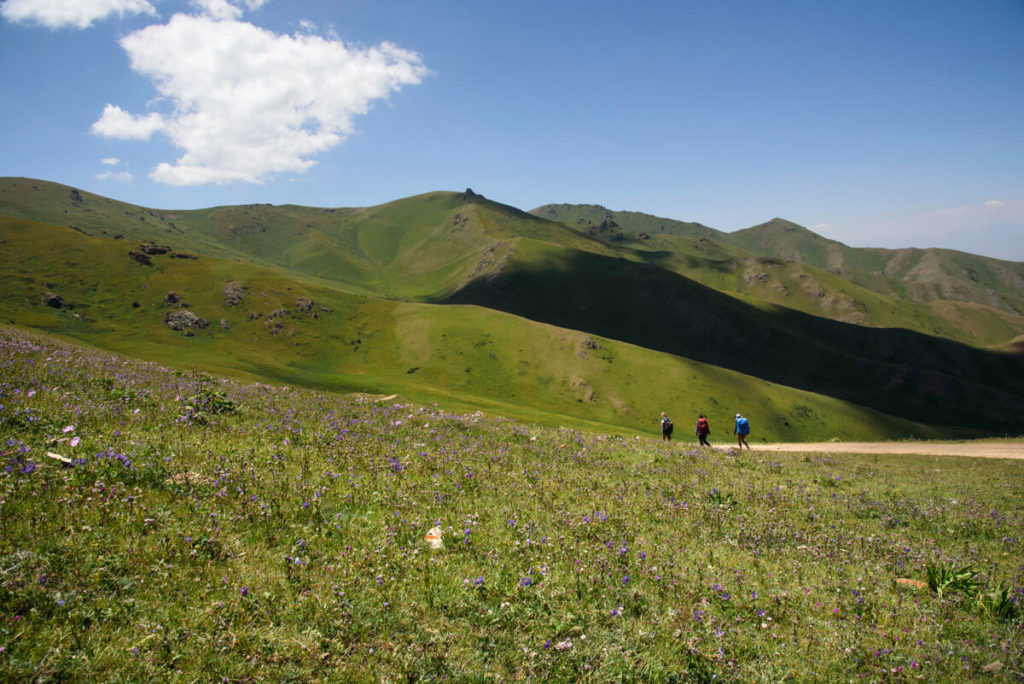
<point x="122" y="176"/>
<point x="119" y="124"/>
<point x="218" y="9"/>
<point x="248" y="103"/>
<point x="226" y="9"/>
<point x="110" y="161"/>
<point x="79" y="13"/>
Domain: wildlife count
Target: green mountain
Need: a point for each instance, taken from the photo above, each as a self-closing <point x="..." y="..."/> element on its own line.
<point x="451" y="297"/>
<point x="970" y="298"/>
<point x="922" y="275"/>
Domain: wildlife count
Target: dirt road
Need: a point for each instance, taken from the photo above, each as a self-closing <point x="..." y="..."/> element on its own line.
<point x="993" y="449"/>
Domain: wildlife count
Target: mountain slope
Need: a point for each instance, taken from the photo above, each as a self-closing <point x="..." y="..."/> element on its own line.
<point x="265" y="325"/>
<point x="453" y="249"/>
<point x="788" y="265"/>
<point x="922" y="275"/>
<point x="924" y="378"/>
<point x="426" y="247"/>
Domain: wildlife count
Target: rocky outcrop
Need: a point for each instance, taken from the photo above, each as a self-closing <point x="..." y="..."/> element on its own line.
<point x="234" y="293"/>
<point x="184" y="321"/>
<point x="152" y="249"/>
<point x="53" y="300"/>
<point x="141" y="258"/>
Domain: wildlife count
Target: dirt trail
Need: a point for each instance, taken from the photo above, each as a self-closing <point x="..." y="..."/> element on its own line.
<point x="998" y="449"/>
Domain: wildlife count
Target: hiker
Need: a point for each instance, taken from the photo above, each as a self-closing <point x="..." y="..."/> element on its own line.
<point x="741" y="431"/>
<point x="703" y="430"/>
<point x="666" y="428"/>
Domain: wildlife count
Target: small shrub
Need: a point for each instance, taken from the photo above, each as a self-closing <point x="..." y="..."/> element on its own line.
<point x="949" y="578"/>
<point x="199" y="407"/>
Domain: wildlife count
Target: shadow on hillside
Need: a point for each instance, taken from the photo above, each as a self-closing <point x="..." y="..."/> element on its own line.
<point x="897" y="371"/>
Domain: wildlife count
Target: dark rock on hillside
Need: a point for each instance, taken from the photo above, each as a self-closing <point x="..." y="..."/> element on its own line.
<point x="76" y="197"/>
<point x="470" y="195"/>
<point x="183" y="255"/>
<point x="184" y="321"/>
<point x="234" y="292"/>
<point x="53" y="300"/>
<point x="304" y="305"/>
<point x="171" y="298"/>
<point x="141" y="258"/>
<point x="152" y="249"/>
<point x="608" y="223"/>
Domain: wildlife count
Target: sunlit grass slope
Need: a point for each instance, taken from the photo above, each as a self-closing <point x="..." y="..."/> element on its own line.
<point x="460" y="355"/>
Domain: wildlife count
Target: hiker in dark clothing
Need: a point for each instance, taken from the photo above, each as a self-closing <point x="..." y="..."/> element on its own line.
<point x="703" y="430"/>
<point x="666" y="428"/>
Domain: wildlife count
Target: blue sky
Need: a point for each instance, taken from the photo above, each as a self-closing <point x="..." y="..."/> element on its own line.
<point x="874" y="123"/>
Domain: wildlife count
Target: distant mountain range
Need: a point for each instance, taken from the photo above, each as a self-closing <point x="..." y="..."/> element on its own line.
<point x="565" y="314"/>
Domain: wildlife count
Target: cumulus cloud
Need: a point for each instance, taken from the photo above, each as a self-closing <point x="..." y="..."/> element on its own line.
<point x="110" y="161"/>
<point x="218" y="9"/>
<point x="81" y="14"/>
<point x="122" y="176"/>
<point x="119" y="124"/>
<point x="246" y="103"/>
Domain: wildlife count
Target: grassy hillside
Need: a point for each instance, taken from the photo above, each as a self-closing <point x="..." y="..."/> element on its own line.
<point x="341" y="298"/>
<point x="461" y="356"/>
<point x="922" y="275"/>
<point x="782" y="263"/>
<point x="924" y="378"/>
<point x="425" y="248"/>
<point x="210" y="530"/>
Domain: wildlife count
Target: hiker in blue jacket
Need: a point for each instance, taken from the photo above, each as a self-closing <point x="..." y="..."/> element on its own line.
<point x="741" y="431"/>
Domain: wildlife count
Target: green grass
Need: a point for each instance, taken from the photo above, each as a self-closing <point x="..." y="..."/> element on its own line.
<point x="282" y="540"/>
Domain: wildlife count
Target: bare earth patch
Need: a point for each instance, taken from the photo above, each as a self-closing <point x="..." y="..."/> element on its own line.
<point x="993" y="449"/>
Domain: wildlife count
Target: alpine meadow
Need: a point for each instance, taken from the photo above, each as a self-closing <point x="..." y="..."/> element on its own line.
<point x="417" y="441"/>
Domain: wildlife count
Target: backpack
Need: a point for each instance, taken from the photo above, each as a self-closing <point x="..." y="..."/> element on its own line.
<point x="666" y="426"/>
<point x="702" y="426"/>
<point x="742" y="426"/>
